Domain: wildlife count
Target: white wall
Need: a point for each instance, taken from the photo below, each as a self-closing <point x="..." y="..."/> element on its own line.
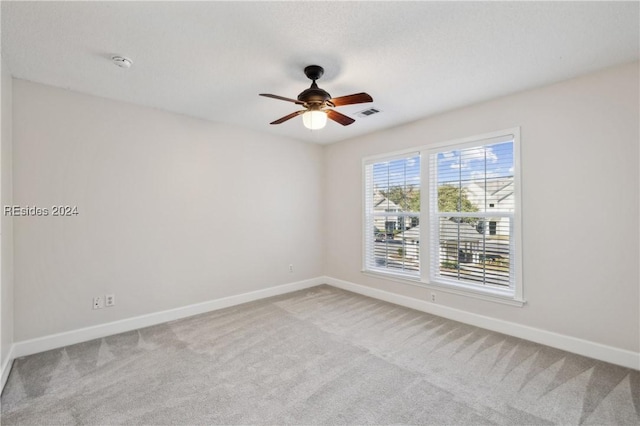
<point x="6" y="227"/>
<point x="172" y="210"/>
<point x="580" y="204"/>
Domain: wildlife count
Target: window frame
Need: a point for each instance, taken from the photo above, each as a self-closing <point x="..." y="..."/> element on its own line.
<point x="515" y="294"/>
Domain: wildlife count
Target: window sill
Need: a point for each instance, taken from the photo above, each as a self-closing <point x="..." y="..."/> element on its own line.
<point x="490" y="296"/>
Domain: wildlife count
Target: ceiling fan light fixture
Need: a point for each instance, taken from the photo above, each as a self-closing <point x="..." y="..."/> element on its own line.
<point x="319" y="104"/>
<point x="314" y="119"/>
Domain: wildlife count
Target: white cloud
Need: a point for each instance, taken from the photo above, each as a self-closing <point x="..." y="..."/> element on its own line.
<point x="414" y="180"/>
<point x="467" y="156"/>
<point x="479" y="174"/>
<point x="478" y="154"/>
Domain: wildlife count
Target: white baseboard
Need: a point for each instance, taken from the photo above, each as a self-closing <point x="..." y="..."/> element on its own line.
<point x="586" y="348"/>
<point x="5" y="368"/>
<point x="41" y="344"/>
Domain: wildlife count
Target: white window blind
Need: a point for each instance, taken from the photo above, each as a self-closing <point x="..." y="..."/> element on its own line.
<point x="392" y="215"/>
<point x="470" y="216"/>
<point x="472" y="210"/>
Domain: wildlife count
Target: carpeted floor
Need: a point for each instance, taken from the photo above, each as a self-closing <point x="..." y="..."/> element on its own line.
<point x="317" y="356"/>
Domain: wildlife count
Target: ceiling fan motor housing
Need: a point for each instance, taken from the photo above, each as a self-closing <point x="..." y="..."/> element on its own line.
<point x="314" y="96"/>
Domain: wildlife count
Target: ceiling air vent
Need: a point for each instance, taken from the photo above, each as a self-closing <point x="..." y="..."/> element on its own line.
<point x="368" y="112"/>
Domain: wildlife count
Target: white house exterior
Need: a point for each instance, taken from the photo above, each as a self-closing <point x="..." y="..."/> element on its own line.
<point x="486" y="238"/>
<point x="493" y="195"/>
<point x="383" y="221"/>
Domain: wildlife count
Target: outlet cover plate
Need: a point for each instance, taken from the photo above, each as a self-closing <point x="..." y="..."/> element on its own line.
<point x="109" y="300"/>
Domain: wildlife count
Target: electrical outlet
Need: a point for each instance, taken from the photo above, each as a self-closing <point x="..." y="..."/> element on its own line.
<point x="98" y="302"/>
<point x="109" y="300"/>
<point x="433" y="297"/>
<point x="291" y="267"/>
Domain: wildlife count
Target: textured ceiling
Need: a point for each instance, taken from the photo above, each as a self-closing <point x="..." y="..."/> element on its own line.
<point x="211" y="59"/>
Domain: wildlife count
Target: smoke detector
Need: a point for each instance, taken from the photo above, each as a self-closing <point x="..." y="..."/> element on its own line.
<point x="122" y="62"/>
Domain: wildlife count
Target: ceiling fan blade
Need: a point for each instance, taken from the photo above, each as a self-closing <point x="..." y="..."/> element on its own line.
<point x="339" y="118"/>
<point x="288" y="117"/>
<point x="357" y="98"/>
<point x="282" y="98"/>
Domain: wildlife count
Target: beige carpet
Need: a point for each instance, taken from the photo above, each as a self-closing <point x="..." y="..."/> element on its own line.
<point x="317" y="356"/>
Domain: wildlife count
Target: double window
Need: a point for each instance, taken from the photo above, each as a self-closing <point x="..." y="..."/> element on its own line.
<point x="462" y="197"/>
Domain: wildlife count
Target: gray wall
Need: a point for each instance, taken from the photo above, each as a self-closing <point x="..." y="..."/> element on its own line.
<point x="172" y="210"/>
<point x="579" y="206"/>
<point x="6" y="227"/>
<point x="175" y="211"/>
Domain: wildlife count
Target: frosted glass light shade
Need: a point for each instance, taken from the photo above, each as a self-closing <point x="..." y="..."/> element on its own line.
<point x="314" y="119"/>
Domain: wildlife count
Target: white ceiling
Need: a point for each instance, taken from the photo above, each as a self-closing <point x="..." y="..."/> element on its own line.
<point x="211" y="59"/>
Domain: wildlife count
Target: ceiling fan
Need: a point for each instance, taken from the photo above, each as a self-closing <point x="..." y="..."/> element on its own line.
<point x="318" y="103"/>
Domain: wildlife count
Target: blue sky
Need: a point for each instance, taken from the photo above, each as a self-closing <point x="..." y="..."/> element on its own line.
<point x="471" y="163"/>
<point x="474" y="163"/>
<point x="403" y="172"/>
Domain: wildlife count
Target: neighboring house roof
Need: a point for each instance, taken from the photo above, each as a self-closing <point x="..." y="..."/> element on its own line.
<point x="382" y="203"/>
<point x="448" y="231"/>
<point x="464" y="232"/>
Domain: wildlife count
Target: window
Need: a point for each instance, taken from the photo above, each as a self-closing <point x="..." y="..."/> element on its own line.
<point x="471" y="212"/>
<point x="392" y="215"/>
<point x="472" y="184"/>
